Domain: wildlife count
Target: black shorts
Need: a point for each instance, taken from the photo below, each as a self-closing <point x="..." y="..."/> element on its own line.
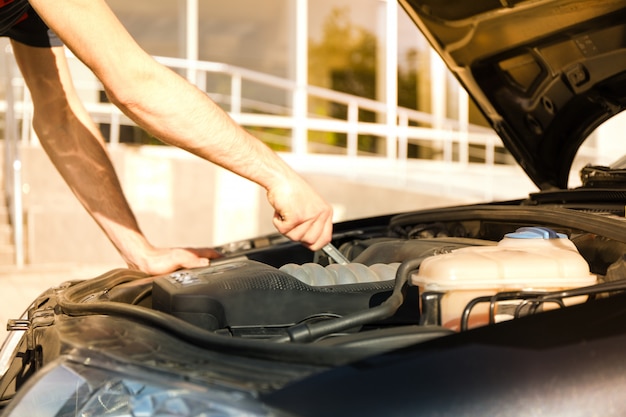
<point x="32" y="31"/>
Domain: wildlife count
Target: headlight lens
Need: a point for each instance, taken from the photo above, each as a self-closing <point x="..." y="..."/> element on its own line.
<point x="68" y="388"/>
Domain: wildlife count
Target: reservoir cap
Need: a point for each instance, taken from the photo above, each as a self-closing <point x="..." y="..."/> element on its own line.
<point x="535" y="232"/>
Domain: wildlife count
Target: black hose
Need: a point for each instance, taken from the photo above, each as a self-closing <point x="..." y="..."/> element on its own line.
<point x="70" y="302"/>
<point x="308" y="332"/>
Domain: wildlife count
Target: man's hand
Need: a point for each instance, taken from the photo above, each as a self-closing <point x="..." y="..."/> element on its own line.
<point x="159" y="261"/>
<point x="300" y="213"/>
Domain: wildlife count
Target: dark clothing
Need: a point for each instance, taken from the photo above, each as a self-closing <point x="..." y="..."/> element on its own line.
<point x="19" y="22"/>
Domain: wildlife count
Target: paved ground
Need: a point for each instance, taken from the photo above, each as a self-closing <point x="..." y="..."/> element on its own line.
<point x="19" y="286"/>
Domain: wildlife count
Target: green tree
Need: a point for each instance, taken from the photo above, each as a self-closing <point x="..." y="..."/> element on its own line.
<point x="344" y="48"/>
<point x="344" y="60"/>
<point x="407" y="80"/>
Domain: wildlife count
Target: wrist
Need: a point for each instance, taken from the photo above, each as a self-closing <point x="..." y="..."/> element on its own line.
<point x="133" y="247"/>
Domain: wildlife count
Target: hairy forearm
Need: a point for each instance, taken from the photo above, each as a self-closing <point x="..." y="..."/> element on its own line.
<point x="75" y="145"/>
<point x="183" y="116"/>
<point x="82" y="160"/>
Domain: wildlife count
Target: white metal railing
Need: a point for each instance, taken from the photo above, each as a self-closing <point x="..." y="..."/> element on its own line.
<point x="410" y="126"/>
<point x="13" y="168"/>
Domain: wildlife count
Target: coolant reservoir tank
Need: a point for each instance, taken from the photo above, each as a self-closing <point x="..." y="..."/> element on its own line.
<point x="532" y="258"/>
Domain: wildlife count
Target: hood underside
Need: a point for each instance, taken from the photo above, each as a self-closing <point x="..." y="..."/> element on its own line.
<point x="545" y="73"/>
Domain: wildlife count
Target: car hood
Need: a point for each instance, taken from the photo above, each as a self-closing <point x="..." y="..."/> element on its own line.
<point x="545" y="73"/>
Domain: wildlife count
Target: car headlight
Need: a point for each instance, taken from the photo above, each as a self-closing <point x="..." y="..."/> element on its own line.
<point x="68" y="388"/>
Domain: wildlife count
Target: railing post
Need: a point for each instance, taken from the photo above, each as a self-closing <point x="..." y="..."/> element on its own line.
<point x="18" y="215"/>
<point x="353" y="133"/>
<point x="403" y="139"/>
<point x="114" y="132"/>
<point x="235" y="95"/>
<point x="299" y="142"/>
<point x="463" y="125"/>
<point x="191" y="38"/>
<point x="9" y="119"/>
<point x="13" y="167"/>
<point x="448" y="145"/>
<point x="391" y="75"/>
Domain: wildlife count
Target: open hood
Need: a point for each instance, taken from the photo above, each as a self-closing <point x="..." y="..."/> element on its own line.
<point x="545" y="73"/>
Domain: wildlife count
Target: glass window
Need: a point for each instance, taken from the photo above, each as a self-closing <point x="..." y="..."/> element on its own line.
<point x="155" y="24"/>
<point x="343" y="45"/>
<point x="413" y="65"/>
<point x="247" y="34"/>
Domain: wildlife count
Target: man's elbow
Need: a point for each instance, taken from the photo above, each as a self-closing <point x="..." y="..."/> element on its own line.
<point x="128" y="103"/>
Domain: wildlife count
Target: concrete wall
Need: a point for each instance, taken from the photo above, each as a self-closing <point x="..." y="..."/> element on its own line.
<point x="180" y="200"/>
<point x="171" y="196"/>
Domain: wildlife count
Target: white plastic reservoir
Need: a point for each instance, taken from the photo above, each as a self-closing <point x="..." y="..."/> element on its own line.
<point x="532" y="258"/>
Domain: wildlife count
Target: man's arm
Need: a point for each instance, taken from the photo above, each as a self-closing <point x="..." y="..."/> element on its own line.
<point x="77" y="150"/>
<point x="173" y="110"/>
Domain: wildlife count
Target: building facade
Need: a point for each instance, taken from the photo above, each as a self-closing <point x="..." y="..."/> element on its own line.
<point x="369" y="48"/>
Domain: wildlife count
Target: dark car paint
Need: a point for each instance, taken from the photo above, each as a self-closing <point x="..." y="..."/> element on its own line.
<point x="567" y="362"/>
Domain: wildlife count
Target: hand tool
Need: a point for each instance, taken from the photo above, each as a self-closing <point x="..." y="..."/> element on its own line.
<point x="335" y="255"/>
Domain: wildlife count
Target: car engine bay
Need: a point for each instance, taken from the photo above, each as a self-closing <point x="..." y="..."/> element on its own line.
<point x="410" y="278"/>
<point x="472" y="293"/>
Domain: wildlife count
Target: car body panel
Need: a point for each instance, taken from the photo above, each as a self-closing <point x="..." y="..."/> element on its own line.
<point x="545" y="73"/>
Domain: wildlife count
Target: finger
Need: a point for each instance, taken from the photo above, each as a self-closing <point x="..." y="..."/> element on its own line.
<point x="324" y="238"/>
<point x="283" y="224"/>
<point x="197" y="257"/>
<point x="296" y="233"/>
<point x="313" y="234"/>
<point x="195" y="262"/>
<point x="207" y="253"/>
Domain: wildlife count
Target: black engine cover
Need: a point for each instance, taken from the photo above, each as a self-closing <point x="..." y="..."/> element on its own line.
<point x="252" y="294"/>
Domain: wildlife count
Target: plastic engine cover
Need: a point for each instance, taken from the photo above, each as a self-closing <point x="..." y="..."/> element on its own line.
<point x="242" y="294"/>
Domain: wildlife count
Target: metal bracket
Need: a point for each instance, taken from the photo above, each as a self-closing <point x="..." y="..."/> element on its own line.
<point x="14" y="325"/>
